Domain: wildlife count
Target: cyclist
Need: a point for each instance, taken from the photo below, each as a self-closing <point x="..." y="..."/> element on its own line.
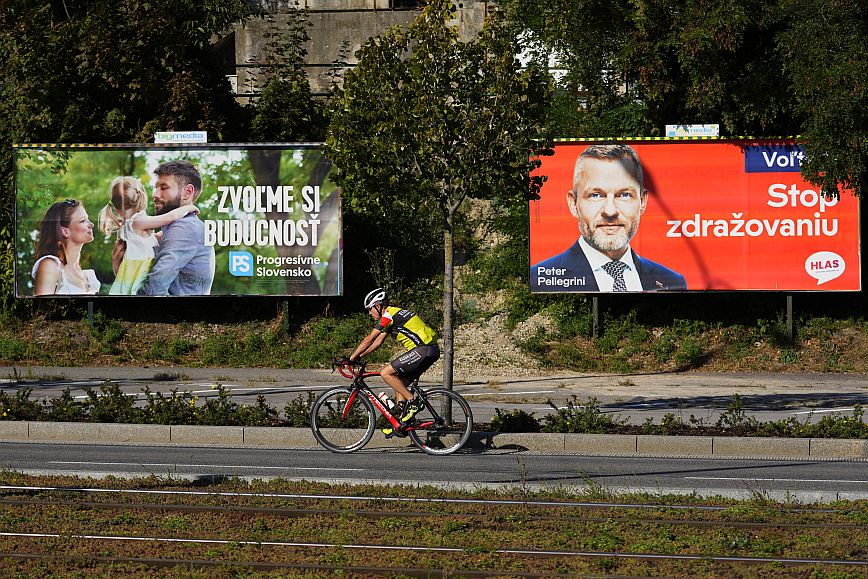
<point x="412" y="333"/>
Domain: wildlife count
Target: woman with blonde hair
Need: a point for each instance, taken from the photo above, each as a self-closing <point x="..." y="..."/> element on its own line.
<point x="125" y="214"/>
<point x="62" y="233"/>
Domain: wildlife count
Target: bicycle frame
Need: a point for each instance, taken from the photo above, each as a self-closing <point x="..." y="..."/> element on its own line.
<point x="359" y="385"/>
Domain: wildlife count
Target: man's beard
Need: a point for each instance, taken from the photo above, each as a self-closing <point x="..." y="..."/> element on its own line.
<point x="603" y="242"/>
<point x="168" y="205"/>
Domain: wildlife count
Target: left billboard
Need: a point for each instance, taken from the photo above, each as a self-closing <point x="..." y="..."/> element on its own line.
<point x="240" y="219"/>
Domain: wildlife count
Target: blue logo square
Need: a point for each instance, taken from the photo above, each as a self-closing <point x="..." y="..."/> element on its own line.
<point x="240" y="263"/>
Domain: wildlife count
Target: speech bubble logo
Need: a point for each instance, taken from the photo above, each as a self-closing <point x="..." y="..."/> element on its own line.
<point x="825" y="266"/>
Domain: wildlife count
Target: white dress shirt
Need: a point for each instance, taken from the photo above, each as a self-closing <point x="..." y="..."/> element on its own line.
<point x="605" y="282"/>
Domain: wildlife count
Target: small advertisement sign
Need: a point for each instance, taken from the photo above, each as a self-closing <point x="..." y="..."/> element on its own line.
<point x="659" y="215"/>
<point x="150" y="220"/>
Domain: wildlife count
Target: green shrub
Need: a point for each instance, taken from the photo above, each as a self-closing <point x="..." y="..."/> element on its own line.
<point x="13" y="349"/>
<point x="514" y="421"/>
<point x="297" y="410"/>
<point x="106" y="332"/>
<point x="572" y="316"/>
<point x="20" y="406"/>
<point x="537" y="344"/>
<point x="111" y="405"/>
<point x="689" y="352"/>
<point x="173" y="409"/>
<point x="222" y="411"/>
<point x="324" y="337"/>
<point x="736" y="419"/>
<point x="837" y="426"/>
<point x="173" y="349"/>
<point x="570" y="356"/>
<point x="65" y="408"/>
<point x="670" y="424"/>
<point x="259" y="414"/>
<point x="496" y="268"/>
<point x="221" y="350"/>
<point x="580" y="418"/>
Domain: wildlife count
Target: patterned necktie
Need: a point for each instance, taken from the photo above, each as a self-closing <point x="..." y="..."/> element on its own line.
<point x="616" y="270"/>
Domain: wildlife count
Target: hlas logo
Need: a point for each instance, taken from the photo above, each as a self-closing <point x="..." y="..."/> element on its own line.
<point x="825" y="266"/>
<point x="240" y="263"/>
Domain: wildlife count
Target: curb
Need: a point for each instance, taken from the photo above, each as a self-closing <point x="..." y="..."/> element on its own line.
<point x="622" y="444"/>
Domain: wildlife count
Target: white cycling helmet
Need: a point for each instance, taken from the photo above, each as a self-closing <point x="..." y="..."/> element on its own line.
<point x="377" y="296"/>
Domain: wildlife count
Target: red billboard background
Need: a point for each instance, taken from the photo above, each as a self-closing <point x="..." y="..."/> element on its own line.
<point x="719" y="224"/>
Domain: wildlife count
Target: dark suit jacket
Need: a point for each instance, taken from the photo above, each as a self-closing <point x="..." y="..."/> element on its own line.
<point x="571" y="265"/>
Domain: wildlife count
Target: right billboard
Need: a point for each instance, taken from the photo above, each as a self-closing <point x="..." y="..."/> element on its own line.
<point x="688" y="215"/>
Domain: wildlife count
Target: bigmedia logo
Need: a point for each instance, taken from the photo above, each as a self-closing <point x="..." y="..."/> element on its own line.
<point x="240" y="263"/>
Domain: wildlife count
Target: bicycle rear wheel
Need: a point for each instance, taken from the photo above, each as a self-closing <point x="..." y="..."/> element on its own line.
<point x="339" y="428"/>
<point x="430" y="431"/>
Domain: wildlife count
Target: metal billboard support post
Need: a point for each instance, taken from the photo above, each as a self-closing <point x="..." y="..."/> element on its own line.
<point x="90" y="314"/>
<point x="595" y="312"/>
<point x="790" y="318"/>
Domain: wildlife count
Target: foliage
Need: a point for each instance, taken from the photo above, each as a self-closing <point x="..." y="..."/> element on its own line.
<point x="222" y="410"/>
<point x="297" y="410"/>
<point x="321" y="338"/>
<point x="19" y="406"/>
<point x="580" y="418"/>
<point x="822" y="50"/>
<point x="106" y="332"/>
<point x="173" y="409"/>
<point x="106" y="72"/>
<point x="286" y="110"/>
<point x="65" y="408"/>
<point x="426" y="120"/>
<point x="111" y="405"/>
<point x="515" y="420"/>
<point x="777" y="68"/>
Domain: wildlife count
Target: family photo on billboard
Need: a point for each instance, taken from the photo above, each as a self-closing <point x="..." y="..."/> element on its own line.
<point x="163" y="221"/>
<point x="688" y="215"/>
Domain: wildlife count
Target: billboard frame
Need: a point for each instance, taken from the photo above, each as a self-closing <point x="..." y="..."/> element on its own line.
<point x="741" y="141"/>
<point x="18" y="148"/>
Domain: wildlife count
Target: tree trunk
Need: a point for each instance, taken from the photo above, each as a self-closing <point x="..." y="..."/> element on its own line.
<point x="448" y="325"/>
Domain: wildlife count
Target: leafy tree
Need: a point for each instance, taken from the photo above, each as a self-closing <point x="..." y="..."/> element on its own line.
<point x="286" y="110"/>
<point x="784" y="67"/>
<point x="105" y="71"/>
<point x="824" y="48"/>
<point x="426" y="120"/>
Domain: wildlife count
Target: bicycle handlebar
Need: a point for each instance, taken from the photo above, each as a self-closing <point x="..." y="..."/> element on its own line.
<point x="347" y="368"/>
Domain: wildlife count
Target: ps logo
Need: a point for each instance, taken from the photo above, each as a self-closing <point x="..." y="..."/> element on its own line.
<point x="240" y="263"/>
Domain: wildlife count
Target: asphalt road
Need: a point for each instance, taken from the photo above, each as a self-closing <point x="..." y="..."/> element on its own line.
<point x="634" y="397"/>
<point x="806" y="480"/>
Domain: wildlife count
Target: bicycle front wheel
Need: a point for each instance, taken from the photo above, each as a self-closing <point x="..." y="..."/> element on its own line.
<point x="342" y="420"/>
<point x="432" y="433"/>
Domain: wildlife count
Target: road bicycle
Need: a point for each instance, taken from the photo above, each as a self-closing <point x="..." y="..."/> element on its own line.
<point x="343" y="419"/>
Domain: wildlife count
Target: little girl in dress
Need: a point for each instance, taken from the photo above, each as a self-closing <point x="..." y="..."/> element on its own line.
<point x="125" y="213"/>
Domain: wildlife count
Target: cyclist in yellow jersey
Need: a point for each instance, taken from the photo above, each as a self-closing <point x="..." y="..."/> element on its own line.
<point x="412" y="333"/>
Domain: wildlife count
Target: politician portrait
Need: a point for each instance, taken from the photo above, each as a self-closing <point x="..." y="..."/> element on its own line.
<point x="607" y="198"/>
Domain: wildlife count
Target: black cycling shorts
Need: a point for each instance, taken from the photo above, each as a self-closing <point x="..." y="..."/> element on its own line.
<point x="413" y="363"/>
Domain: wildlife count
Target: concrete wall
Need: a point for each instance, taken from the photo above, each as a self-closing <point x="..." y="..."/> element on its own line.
<point x="339" y="28"/>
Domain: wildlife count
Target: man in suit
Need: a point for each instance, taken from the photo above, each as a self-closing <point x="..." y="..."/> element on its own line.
<point x="608" y="198"/>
